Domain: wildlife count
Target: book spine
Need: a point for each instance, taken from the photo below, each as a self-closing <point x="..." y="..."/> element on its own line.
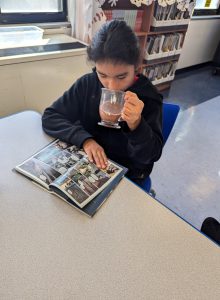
<point x="138" y="21"/>
<point x="126" y="17"/>
<point x="108" y="14"/>
<point x="133" y="18"/>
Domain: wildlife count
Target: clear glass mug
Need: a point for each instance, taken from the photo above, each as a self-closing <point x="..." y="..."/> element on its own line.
<point x="110" y="108"/>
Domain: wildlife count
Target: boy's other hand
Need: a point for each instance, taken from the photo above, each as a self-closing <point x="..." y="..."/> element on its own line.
<point x="96" y="153"/>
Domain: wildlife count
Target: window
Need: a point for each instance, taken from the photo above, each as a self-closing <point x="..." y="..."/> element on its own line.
<point x="206" y="7"/>
<point x="32" y="11"/>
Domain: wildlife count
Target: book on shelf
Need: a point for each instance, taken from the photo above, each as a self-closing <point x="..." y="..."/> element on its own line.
<point x="133" y="18"/>
<point x="149" y="45"/>
<point x="170" y="12"/>
<point x="169" y="15"/>
<point x="165" y="43"/>
<point x="138" y="21"/>
<point x="160" y="72"/>
<point x="64" y="170"/>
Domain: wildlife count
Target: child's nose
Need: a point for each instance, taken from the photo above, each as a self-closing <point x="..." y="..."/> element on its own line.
<point x="113" y="85"/>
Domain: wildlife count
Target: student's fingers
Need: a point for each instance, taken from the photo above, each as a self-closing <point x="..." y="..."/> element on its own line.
<point x="129" y="94"/>
<point x="133" y="111"/>
<point x="128" y="114"/>
<point x="131" y="121"/>
<point x="90" y="156"/>
<point x="104" y="159"/>
<point x="89" y="147"/>
<point x="100" y="158"/>
<point x="126" y="117"/>
<point x="95" y="153"/>
<point x="134" y="103"/>
<point x="132" y="100"/>
<point x="96" y="158"/>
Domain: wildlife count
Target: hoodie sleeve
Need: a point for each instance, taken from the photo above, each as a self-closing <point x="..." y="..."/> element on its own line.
<point x="62" y="119"/>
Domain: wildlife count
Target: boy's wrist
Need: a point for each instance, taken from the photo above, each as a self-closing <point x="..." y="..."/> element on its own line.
<point x="86" y="142"/>
<point x="133" y="126"/>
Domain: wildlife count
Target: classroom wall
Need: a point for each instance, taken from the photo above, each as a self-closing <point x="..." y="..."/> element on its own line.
<point x="200" y="43"/>
<point x="36" y="84"/>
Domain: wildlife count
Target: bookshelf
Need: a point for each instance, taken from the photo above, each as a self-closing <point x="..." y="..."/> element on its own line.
<point x="161" y="32"/>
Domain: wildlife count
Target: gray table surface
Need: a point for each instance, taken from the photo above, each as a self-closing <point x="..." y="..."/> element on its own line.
<point x="133" y="248"/>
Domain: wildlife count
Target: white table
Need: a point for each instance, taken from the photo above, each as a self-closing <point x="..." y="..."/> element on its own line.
<point x="133" y="248"/>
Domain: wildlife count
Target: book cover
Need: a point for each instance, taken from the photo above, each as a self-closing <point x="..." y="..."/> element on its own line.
<point x="64" y="170"/>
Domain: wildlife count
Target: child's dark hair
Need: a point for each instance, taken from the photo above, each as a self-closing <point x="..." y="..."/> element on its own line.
<point x="115" y="41"/>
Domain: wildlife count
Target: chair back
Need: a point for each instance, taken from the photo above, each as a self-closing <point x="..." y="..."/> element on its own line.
<point x="170" y="113"/>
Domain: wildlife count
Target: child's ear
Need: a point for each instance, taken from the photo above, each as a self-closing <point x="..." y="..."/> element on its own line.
<point x="137" y="70"/>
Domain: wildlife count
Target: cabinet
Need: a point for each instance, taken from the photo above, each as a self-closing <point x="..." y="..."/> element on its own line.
<point x="161" y="32"/>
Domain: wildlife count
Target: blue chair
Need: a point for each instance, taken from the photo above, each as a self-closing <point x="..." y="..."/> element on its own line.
<point x="170" y="113"/>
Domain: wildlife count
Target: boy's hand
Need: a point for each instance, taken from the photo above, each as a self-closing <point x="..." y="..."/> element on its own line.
<point x="96" y="153"/>
<point x="132" y="110"/>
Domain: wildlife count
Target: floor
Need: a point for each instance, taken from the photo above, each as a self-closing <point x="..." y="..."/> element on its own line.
<point x="187" y="177"/>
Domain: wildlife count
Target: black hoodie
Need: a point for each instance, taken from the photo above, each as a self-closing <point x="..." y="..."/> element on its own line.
<point x="73" y="118"/>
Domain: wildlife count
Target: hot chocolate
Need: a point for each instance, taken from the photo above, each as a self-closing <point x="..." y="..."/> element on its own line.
<point x="110" y="108"/>
<point x="110" y="112"/>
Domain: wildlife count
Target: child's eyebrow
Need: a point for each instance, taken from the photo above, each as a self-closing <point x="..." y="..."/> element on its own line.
<point x="100" y="72"/>
<point x="121" y="74"/>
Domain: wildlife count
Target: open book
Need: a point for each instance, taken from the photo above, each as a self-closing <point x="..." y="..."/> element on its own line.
<point x="64" y="170"/>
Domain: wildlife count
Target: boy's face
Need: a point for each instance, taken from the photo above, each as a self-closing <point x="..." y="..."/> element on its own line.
<point x="115" y="76"/>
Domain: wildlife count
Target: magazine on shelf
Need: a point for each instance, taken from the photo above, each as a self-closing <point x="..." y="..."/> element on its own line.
<point x="65" y="170"/>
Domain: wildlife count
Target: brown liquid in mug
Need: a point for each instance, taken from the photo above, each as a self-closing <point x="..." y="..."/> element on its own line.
<point x="110" y="112"/>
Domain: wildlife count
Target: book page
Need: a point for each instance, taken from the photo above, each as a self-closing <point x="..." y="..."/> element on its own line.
<point x="48" y="164"/>
<point x="84" y="181"/>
